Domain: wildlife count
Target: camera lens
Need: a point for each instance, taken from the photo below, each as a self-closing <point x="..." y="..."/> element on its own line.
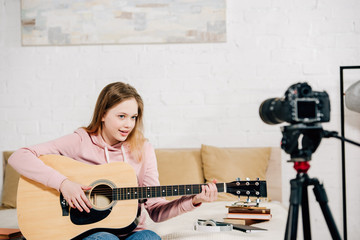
<point x="269" y="111"/>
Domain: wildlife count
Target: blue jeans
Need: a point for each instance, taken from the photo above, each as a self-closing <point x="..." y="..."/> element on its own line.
<point x="144" y="234"/>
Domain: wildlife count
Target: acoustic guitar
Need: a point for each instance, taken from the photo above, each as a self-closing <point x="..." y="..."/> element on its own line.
<point x="43" y="213"/>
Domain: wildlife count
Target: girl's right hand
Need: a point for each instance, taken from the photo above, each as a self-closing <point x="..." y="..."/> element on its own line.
<point x="75" y="196"/>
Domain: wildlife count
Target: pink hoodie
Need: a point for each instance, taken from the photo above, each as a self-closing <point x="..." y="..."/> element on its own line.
<point x="92" y="149"/>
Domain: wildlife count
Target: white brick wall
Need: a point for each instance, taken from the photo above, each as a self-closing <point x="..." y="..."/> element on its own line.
<point x="196" y="93"/>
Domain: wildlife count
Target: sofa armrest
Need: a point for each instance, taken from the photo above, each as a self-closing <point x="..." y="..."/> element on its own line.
<point x="10" y="183"/>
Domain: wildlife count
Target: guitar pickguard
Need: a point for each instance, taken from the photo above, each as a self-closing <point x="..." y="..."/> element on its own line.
<point x="83" y="218"/>
<point x="100" y="197"/>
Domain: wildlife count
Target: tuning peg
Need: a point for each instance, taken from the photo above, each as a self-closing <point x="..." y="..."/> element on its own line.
<point x="247" y="179"/>
<point x="237" y="179"/>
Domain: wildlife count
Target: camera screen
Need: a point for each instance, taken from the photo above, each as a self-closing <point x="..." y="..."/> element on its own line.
<point x="306" y="109"/>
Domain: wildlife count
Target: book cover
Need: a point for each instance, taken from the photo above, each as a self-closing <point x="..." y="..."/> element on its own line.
<point x="250" y="210"/>
<point x="246" y="228"/>
<point x="249" y="216"/>
<point x="242" y="221"/>
<point x="245" y="207"/>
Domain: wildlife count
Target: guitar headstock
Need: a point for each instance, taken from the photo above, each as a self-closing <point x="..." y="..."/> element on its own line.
<point x="247" y="188"/>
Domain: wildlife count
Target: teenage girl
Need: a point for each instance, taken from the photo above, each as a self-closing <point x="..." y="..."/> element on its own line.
<point x="114" y="134"/>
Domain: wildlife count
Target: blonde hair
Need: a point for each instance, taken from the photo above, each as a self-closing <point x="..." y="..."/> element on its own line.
<point x="111" y="95"/>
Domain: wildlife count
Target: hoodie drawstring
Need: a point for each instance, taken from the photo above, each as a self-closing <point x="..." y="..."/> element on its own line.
<point x="123" y="153"/>
<point x="107" y="154"/>
<point x="107" y="158"/>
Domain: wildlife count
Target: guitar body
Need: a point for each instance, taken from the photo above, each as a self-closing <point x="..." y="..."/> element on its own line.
<point x="41" y="215"/>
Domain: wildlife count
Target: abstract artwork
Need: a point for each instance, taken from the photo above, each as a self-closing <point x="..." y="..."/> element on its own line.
<point x="69" y="22"/>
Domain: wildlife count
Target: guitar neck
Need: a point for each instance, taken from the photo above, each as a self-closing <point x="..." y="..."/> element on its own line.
<point x="160" y="191"/>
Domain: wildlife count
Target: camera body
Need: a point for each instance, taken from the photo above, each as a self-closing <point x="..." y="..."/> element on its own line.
<point x="299" y="105"/>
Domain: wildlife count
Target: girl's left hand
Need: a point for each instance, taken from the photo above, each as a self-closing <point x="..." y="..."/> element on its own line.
<point x="209" y="193"/>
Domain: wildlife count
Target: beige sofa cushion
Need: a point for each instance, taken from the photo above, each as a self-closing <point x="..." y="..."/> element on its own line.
<point x="179" y="166"/>
<point x="11" y="180"/>
<point x="227" y="164"/>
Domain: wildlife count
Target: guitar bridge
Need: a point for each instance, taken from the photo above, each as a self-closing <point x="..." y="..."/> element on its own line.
<point x="64" y="206"/>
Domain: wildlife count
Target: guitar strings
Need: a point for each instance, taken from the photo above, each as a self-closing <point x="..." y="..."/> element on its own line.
<point x="157" y="191"/>
<point x="146" y="192"/>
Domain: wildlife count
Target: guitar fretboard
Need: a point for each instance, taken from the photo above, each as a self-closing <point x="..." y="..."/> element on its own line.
<point x="159" y="191"/>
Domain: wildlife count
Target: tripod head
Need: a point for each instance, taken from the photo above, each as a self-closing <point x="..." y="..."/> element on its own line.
<point x="311" y="136"/>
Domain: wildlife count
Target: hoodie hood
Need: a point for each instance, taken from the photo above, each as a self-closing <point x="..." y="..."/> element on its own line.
<point x="100" y="142"/>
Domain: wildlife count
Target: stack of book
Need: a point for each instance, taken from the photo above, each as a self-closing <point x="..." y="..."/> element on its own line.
<point x="11" y="233"/>
<point x="247" y="215"/>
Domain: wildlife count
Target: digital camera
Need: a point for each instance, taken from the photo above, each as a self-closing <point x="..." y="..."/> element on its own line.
<point x="299" y="105"/>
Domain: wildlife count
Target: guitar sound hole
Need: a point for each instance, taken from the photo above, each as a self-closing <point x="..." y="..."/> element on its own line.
<point x="101" y="196"/>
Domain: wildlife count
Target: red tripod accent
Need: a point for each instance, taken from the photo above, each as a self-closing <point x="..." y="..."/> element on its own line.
<point x="301" y="167"/>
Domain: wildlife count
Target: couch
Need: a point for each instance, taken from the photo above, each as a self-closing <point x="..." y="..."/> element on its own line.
<point x="195" y="166"/>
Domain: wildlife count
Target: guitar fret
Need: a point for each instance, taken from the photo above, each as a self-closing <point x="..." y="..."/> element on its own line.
<point x="139" y="192"/>
<point x="153" y="192"/>
<point x="196" y="189"/>
<point x="148" y="192"/>
<point x="163" y="191"/>
<point x="158" y="191"/>
<point x="188" y="189"/>
<point x="181" y="190"/>
<point x="143" y="193"/>
<point x="168" y="190"/>
<point x="114" y="194"/>
<point x="220" y="187"/>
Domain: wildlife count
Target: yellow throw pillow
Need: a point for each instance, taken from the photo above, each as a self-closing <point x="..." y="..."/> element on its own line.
<point x="179" y="167"/>
<point x="227" y="164"/>
<point x="10" y="185"/>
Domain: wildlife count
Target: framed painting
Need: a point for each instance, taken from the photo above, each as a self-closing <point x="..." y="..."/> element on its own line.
<point x="68" y="22"/>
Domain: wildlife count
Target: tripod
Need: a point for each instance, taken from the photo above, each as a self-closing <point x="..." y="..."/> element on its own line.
<point x="299" y="196"/>
<point x="311" y="138"/>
